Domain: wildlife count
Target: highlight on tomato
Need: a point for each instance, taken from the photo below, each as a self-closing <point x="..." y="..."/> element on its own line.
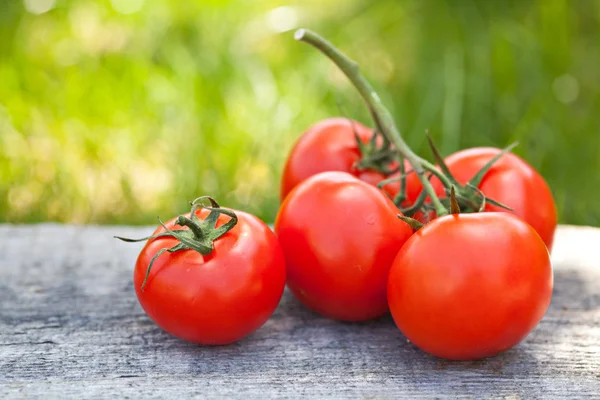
<point x="470" y="286"/>
<point x="211" y="276"/>
<point x="339" y="236"/>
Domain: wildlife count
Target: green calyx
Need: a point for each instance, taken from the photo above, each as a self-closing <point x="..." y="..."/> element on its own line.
<point x="376" y="156"/>
<point x="468" y="196"/>
<point x="454" y="209"/>
<point x="200" y="235"/>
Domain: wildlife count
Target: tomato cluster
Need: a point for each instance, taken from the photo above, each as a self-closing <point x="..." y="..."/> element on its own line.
<point x="458" y="251"/>
<point x="463" y="286"/>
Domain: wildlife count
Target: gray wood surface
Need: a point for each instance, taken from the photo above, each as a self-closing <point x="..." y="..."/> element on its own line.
<point x="71" y="327"/>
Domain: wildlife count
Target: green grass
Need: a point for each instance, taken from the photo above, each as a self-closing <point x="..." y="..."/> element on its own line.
<point x="117" y="118"/>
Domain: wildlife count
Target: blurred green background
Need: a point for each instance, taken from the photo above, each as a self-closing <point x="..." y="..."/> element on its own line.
<point x="118" y="111"/>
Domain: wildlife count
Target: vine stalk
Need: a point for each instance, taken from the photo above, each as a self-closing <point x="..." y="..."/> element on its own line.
<point x="379" y="112"/>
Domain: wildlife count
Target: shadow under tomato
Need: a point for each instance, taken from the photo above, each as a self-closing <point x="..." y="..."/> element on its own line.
<point x="297" y="345"/>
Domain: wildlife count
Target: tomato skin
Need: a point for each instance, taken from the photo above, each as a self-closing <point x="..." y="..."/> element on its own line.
<point x="470" y="286"/>
<point x="512" y="182"/>
<point x="218" y="298"/>
<point x="340" y="236"/>
<point x="330" y="145"/>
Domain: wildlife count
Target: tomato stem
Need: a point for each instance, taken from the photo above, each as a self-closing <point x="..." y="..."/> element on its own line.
<point x="199" y="236"/>
<point x="379" y="112"/>
<point x="413" y="223"/>
<point x="401" y="196"/>
<point x="454" y="207"/>
<point x="476" y="180"/>
<point x="416" y="206"/>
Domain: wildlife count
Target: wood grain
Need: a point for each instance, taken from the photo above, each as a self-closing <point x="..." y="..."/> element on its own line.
<point x="70" y="326"/>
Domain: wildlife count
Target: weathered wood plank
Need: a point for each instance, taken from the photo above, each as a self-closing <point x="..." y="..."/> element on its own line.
<point x="70" y="326"/>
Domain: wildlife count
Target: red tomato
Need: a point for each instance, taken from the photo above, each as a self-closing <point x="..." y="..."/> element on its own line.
<point x="330" y="145"/>
<point x="340" y="236"/>
<point x="218" y="298"/>
<point x="512" y="182"/>
<point x="470" y="286"/>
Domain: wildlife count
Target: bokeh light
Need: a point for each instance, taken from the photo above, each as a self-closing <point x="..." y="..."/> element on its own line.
<point x="116" y="111"/>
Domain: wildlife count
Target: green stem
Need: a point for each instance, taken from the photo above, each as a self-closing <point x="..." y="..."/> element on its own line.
<point x="378" y="110"/>
<point x="438" y="174"/>
<point x="401" y="196"/>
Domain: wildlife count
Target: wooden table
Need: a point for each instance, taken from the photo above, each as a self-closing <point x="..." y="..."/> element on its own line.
<point x="71" y="327"/>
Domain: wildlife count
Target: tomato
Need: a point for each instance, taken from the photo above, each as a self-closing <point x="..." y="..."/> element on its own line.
<point x="217" y="298"/>
<point x="340" y="236"/>
<point x="470" y="286"/>
<point x="512" y="182"/>
<point x="330" y="145"/>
